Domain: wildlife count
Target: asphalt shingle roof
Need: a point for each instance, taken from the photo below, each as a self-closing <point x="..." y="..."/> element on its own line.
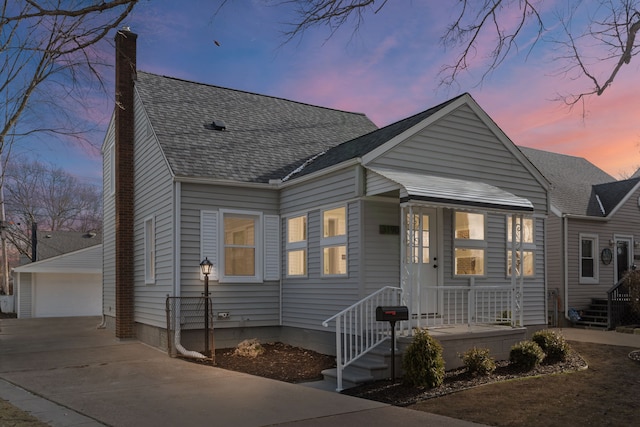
<point x="55" y="243"/>
<point x="610" y="195"/>
<point x="571" y="178"/>
<point x="265" y="137"/>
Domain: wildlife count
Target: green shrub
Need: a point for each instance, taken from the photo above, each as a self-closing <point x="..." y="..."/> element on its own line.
<point x="422" y="362"/>
<point x="554" y="345"/>
<point x="526" y="355"/>
<point x="632" y="280"/>
<point x="478" y="361"/>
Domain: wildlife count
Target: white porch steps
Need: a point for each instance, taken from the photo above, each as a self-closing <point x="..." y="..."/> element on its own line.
<point x="376" y="365"/>
<point x="373" y="366"/>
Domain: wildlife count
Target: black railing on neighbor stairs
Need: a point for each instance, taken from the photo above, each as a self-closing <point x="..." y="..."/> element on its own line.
<point x="619" y="306"/>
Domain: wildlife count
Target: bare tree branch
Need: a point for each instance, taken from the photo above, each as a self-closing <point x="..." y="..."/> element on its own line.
<point x="45" y="48"/>
<point x="331" y="13"/>
<point x="47" y="61"/>
<point x="599" y="53"/>
<point x="50" y="197"/>
<point x="613" y="29"/>
<point x="470" y="25"/>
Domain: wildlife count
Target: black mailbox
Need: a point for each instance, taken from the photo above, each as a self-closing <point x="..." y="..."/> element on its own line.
<point x="392" y="313"/>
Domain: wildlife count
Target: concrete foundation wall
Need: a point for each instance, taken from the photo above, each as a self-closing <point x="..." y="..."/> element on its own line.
<point x="456" y="341"/>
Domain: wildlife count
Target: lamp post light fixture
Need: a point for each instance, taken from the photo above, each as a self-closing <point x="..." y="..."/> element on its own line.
<point x="206" y="267"/>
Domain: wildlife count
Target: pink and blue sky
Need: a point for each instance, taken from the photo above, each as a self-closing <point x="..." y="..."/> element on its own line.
<point x="388" y="69"/>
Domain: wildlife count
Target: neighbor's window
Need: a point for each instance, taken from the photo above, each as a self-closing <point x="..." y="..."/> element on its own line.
<point x="241" y="240"/>
<point x="297" y="246"/>
<point x="588" y="258"/>
<point x="334" y="242"/>
<point x="524" y="230"/>
<point x="149" y="251"/>
<point x="470" y="244"/>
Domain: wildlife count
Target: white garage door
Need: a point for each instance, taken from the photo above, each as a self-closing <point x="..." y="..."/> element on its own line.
<point x="62" y="295"/>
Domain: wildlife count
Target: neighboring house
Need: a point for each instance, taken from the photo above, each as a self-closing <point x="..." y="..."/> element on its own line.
<point x="305" y="210"/>
<point x="50" y="244"/>
<point x="593" y="232"/>
<point x="62" y="286"/>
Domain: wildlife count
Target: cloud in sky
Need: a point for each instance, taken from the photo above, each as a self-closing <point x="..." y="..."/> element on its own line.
<point x="388" y="69"/>
<point x="399" y="77"/>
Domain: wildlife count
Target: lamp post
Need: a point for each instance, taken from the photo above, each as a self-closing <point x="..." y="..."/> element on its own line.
<point x="206" y="267"/>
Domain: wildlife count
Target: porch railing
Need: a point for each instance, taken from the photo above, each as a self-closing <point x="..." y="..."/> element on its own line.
<point x="357" y="330"/>
<point x="619" y="306"/>
<point x="469" y="305"/>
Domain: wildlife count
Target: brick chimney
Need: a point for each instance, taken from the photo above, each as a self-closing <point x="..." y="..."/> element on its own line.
<point x="124" y="127"/>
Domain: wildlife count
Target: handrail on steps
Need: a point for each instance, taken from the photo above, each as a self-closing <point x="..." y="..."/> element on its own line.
<point x="616" y="301"/>
<point x="357" y="330"/>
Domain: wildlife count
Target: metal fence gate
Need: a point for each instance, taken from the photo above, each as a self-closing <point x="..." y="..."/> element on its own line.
<point x="186" y="324"/>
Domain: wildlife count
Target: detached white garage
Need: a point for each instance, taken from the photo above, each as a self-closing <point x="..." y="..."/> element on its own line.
<point x="64" y="286"/>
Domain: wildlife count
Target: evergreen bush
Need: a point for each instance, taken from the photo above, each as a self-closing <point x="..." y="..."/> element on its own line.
<point x="478" y="361"/>
<point x="526" y="355"/>
<point x="422" y="362"/>
<point x="554" y="345"/>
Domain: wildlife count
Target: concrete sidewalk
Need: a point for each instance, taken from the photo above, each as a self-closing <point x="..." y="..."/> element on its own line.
<point x="66" y="372"/>
<point x="600" y="337"/>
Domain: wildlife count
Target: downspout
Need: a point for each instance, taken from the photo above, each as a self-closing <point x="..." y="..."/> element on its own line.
<point x="177" y="272"/>
<point x="565" y="264"/>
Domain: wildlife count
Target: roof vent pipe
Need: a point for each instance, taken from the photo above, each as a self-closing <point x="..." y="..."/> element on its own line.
<point x="216" y="125"/>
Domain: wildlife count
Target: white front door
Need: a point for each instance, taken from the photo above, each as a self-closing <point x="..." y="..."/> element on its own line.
<point x="420" y="269"/>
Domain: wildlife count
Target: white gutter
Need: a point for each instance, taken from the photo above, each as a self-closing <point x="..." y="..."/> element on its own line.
<point x="565" y="264"/>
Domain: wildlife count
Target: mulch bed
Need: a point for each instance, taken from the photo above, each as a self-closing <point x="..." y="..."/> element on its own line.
<point x="278" y="361"/>
<point x="399" y="394"/>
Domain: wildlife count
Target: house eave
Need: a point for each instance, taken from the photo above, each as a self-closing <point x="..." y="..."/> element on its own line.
<point x="325" y="171"/>
<point x="587" y="217"/>
<point x="225" y="182"/>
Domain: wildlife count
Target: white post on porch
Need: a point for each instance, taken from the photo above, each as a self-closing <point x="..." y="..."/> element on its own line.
<point x="517" y="269"/>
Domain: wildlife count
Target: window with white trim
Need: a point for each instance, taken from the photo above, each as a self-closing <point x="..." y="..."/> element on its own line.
<point x="525" y="235"/>
<point x="243" y="246"/>
<point x="297" y="246"/>
<point x="112" y="169"/>
<point x="241" y="243"/>
<point x="469" y="243"/>
<point x="333" y="242"/>
<point x="149" y="251"/>
<point x="588" y="258"/>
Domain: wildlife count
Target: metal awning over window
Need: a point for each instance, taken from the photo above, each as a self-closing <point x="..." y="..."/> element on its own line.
<point x="447" y="191"/>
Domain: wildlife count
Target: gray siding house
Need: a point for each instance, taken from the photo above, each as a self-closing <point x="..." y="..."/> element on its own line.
<point x="593" y="233"/>
<point x="312" y="216"/>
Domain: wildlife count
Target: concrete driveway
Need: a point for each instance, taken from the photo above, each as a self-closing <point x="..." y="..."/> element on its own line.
<point x="67" y="372"/>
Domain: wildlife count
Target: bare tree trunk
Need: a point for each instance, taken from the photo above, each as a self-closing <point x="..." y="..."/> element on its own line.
<point x="4" y="286"/>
